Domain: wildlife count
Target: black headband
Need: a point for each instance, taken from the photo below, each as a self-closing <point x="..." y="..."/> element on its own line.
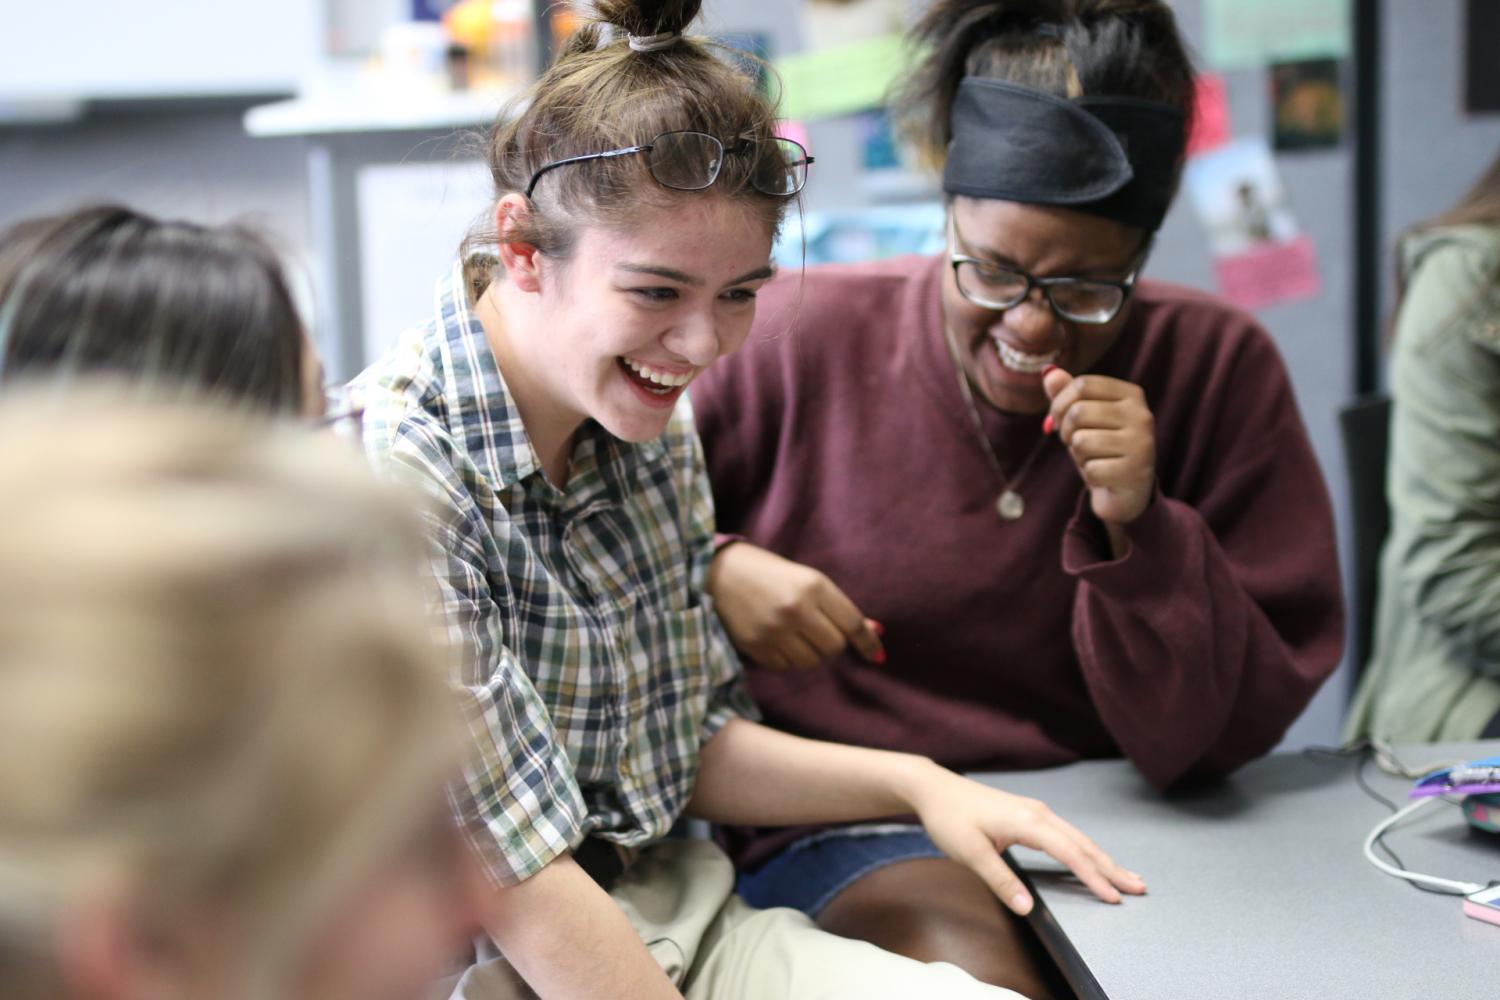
<point x="1115" y="157"/>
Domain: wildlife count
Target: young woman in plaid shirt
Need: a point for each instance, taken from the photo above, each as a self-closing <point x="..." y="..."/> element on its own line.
<point x="639" y="190"/>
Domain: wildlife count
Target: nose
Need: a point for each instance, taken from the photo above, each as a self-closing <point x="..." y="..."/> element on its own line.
<point x="695" y="339"/>
<point x="1032" y="321"/>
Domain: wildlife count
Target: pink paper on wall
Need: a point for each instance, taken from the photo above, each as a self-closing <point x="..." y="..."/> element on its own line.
<point x="793" y="130"/>
<point x="1269" y="272"/>
<point x="1210" y="114"/>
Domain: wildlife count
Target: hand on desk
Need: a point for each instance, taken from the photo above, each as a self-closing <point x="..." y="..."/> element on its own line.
<point x="783" y="614"/>
<point x="973" y="823"/>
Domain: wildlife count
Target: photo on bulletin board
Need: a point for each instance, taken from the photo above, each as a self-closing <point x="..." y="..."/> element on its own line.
<point x="1261" y="256"/>
<point x="1307" y="105"/>
<point x="1482" y="68"/>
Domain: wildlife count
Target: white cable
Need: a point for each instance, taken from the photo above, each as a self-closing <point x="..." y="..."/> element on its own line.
<point x="1463" y="888"/>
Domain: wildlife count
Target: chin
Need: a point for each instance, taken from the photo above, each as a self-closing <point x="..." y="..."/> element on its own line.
<point x="636" y="428"/>
<point x="1011" y="401"/>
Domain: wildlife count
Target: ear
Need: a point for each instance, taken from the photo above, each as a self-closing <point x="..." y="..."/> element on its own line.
<point x="95" y="955"/>
<point x="518" y="258"/>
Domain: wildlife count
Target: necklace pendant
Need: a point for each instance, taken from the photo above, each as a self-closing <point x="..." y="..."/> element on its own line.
<point x="1010" y="506"/>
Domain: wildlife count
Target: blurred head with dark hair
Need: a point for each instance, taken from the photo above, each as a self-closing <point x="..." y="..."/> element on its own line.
<point x="108" y="290"/>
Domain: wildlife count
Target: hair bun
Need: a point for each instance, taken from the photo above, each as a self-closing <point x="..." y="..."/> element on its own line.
<point x="649" y="17"/>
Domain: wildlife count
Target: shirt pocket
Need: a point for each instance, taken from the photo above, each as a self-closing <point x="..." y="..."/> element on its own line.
<point x="666" y="701"/>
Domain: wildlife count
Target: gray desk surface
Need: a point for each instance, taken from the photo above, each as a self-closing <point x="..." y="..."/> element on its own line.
<point x="1258" y="887"/>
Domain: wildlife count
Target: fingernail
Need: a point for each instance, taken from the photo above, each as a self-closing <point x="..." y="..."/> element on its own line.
<point x="879" y="656"/>
<point x="1048" y="370"/>
<point x="876" y="627"/>
<point x="1021" y="903"/>
<point x="1047" y="425"/>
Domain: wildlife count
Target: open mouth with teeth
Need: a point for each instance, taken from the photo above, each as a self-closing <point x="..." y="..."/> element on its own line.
<point x="1020" y="361"/>
<point x="655" y="381"/>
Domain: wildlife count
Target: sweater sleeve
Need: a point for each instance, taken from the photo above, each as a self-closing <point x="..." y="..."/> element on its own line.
<point x="1207" y="639"/>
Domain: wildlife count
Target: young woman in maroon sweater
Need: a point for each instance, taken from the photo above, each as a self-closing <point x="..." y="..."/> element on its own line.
<point x="1010" y="508"/>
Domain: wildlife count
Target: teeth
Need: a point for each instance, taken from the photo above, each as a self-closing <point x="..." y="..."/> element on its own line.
<point x="1020" y="361"/>
<point x="661" y="378"/>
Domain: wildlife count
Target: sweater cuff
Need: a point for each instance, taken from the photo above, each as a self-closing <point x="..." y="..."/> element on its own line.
<point x="1086" y="550"/>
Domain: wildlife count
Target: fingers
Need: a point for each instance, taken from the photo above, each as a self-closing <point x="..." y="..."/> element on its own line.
<point x="1052" y="841"/>
<point x="773" y="659"/>
<point x="1009" y="889"/>
<point x="1113" y="472"/>
<point x="1091" y="414"/>
<point x="1096" y="388"/>
<point x="799" y="653"/>
<point x="1046" y="831"/>
<point x="1089" y="444"/>
<point x="1122" y="878"/>
<point x="861" y="632"/>
<point x="1054" y="381"/>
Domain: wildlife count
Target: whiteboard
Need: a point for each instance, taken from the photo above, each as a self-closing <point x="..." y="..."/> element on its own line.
<point x="136" y="49"/>
<point x="412" y="218"/>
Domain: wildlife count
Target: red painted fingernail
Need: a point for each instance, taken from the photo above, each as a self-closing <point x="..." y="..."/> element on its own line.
<point x="1048" y="370"/>
<point x="879" y="657"/>
<point x="876" y="627"/>
<point x="1047" y="425"/>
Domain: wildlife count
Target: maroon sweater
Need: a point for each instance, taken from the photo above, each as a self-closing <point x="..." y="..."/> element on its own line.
<point x="838" y="437"/>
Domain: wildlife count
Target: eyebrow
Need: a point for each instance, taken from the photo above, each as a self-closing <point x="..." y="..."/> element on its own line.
<point x="994" y="256"/>
<point x="682" y="277"/>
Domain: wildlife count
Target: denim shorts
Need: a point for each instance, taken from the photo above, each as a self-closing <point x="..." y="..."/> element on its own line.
<point x="808" y="874"/>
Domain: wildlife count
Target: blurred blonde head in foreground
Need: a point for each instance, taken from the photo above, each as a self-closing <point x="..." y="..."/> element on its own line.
<point x="224" y="732"/>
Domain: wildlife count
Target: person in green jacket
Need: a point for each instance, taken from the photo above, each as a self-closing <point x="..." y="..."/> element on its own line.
<point x="1435" y="671"/>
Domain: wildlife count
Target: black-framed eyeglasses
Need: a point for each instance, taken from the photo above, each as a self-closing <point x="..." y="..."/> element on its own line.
<point x="999" y="287"/>
<point x="691" y="161"/>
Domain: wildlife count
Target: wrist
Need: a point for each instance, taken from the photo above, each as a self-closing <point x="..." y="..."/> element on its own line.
<point x="914" y="780"/>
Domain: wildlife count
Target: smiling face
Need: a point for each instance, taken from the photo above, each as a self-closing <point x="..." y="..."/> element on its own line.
<point x="624" y="324"/>
<point x="1004" y="352"/>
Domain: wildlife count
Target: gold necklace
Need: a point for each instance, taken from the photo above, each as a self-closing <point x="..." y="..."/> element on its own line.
<point x="1010" y="505"/>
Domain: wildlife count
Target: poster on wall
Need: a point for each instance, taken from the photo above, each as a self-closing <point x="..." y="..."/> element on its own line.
<point x="853" y="52"/>
<point x="1307" y="105"/>
<point x="1210" y="114"/>
<point x="827" y="83"/>
<point x="1261" y="256"/>
<point x="1248" y="34"/>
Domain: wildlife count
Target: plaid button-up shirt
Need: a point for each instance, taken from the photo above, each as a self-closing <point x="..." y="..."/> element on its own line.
<point x="592" y="664"/>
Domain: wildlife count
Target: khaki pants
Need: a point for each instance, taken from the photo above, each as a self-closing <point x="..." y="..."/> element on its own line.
<point x="714" y="946"/>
